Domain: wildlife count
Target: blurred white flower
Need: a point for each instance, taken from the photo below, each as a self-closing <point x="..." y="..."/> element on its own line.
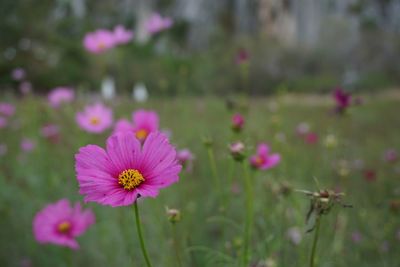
<point x="108" y="88"/>
<point x="140" y="93"/>
<point x="294" y="235"/>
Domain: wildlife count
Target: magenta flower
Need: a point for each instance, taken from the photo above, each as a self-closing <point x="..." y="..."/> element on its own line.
<point x="60" y="223"/>
<point x="27" y="145"/>
<point x="7" y="109"/>
<point x="60" y="95"/>
<point x="126" y="170"/>
<point x="156" y="23"/>
<point x="25" y="88"/>
<point x="18" y="74"/>
<point x="342" y="99"/>
<point x="99" y="41"/>
<point x="390" y="155"/>
<point x="185" y="158"/>
<point x="122" y="35"/>
<point x="237" y="122"/>
<point x="263" y="160"/>
<point x="311" y="138"/>
<point x="144" y="122"/>
<point x="242" y="57"/>
<point x="95" y="118"/>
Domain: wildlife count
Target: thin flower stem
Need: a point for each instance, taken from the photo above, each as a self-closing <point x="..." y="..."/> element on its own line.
<point x="314" y="246"/>
<point x="176" y="246"/>
<point x="249" y="214"/>
<point x="139" y="231"/>
<point x="214" y="168"/>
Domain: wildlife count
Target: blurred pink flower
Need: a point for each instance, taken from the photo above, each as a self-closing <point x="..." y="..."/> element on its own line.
<point x="51" y="132"/>
<point x="356" y="237"/>
<point x="242" y="56"/>
<point x="311" y="138"/>
<point x="25" y="88"/>
<point x="342" y="99"/>
<point x="263" y="160"/>
<point x="155" y="23"/>
<point x="122" y="35"/>
<point x="95" y="118"/>
<point x="185" y="158"/>
<point x="390" y="155"/>
<point x="237" y="150"/>
<point x="126" y="170"/>
<point x="144" y="122"/>
<point x="237" y="122"/>
<point x="7" y="109"/>
<point x="27" y="145"/>
<point x="60" y="95"/>
<point x="369" y="175"/>
<point x="303" y="128"/>
<point x="60" y="223"/>
<point x="99" y="41"/>
<point x="18" y="74"/>
<point x="3" y="122"/>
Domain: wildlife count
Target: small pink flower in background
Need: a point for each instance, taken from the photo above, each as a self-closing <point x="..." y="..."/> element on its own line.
<point x="156" y="23"/>
<point x="356" y="237"/>
<point x="342" y="100"/>
<point x="3" y="122"/>
<point x="237" y="122"/>
<point x="242" y="56"/>
<point x="3" y="149"/>
<point x="237" y="150"/>
<point x="51" y="132"/>
<point x="126" y="170"/>
<point x="370" y="175"/>
<point x="7" y="109"/>
<point x="294" y="235"/>
<point x="27" y="145"/>
<point x="60" y="95"/>
<point x="95" y="118"/>
<point x="390" y="155"/>
<point x="263" y="160"/>
<point x="303" y="128"/>
<point x="185" y="158"/>
<point x="18" y="74"/>
<point x="144" y="122"/>
<point x="25" y="88"/>
<point x="122" y="35"/>
<point x="60" y="223"/>
<point x="99" y="41"/>
<point x="311" y="138"/>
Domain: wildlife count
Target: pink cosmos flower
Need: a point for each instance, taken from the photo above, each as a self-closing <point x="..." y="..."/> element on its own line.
<point x="311" y="138"/>
<point x="60" y="95"/>
<point x="263" y="160"/>
<point x="237" y="122"/>
<point x="18" y="74"/>
<point x="370" y="175"/>
<point x="390" y="155"/>
<point x="144" y="122"/>
<point x="156" y="23"/>
<point x="51" y="132"/>
<point x="27" y="145"/>
<point x="356" y="237"/>
<point x="122" y="35"/>
<point x="3" y="122"/>
<point x="303" y="128"/>
<point x="242" y="56"/>
<point x="99" y="41"/>
<point x="185" y="158"/>
<point x="126" y="170"/>
<point x="7" y="109"/>
<point x="237" y="150"/>
<point x="25" y="88"/>
<point x="342" y="99"/>
<point x="95" y="118"/>
<point x="60" y="223"/>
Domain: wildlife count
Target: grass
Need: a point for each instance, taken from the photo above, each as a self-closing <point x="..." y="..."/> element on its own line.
<point x="211" y="230"/>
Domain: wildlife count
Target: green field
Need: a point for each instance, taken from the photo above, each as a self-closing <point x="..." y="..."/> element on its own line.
<point x="211" y="230"/>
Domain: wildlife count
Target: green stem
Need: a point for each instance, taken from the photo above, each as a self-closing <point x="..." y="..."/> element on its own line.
<point x="176" y="246"/>
<point x="314" y="246"/>
<point x="214" y="168"/>
<point x="249" y="214"/>
<point x="139" y="231"/>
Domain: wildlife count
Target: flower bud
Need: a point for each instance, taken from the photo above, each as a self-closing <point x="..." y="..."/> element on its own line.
<point x="237" y="151"/>
<point x="174" y="215"/>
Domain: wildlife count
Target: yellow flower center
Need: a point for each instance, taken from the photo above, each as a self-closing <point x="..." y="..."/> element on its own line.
<point x="101" y="45"/>
<point x="259" y="160"/>
<point x="141" y="134"/>
<point x="130" y="179"/>
<point x="94" y="120"/>
<point x="64" y="227"/>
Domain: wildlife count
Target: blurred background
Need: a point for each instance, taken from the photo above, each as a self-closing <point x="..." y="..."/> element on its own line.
<point x="289" y="45"/>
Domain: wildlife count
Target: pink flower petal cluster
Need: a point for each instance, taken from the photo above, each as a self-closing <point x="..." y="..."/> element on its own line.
<point x="156" y="23"/>
<point x="185" y="157"/>
<point x="7" y="109"/>
<point x="126" y="170"/>
<point x="342" y="100"/>
<point x="237" y="122"/>
<point x="60" y="223"/>
<point x="263" y="160"/>
<point x="60" y="95"/>
<point x="102" y="40"/>
<point x="95" y="118"/>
